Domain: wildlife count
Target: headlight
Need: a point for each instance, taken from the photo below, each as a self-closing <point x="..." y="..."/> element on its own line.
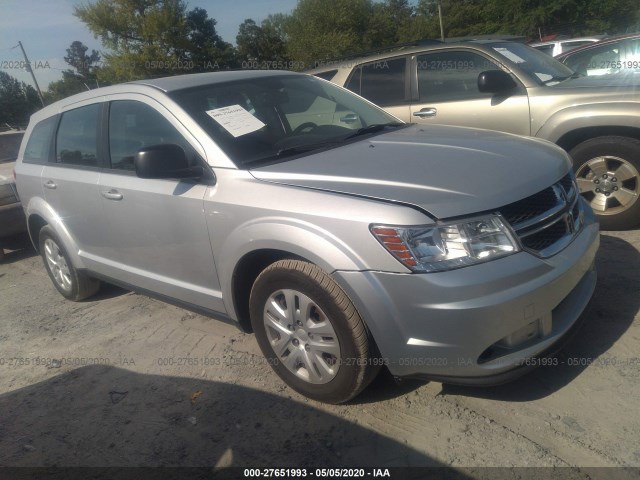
<point x="447" y="246"/>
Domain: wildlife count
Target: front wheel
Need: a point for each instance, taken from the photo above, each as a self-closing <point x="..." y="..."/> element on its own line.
<point x="310" y="332"/>
<point x="608" y="175"/>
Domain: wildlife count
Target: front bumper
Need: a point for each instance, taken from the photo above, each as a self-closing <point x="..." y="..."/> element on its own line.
<point x="481" y="324"/>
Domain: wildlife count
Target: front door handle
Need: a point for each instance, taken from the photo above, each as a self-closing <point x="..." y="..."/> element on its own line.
<point x="426" y="112"/>
<point x="112" y="195"/>
<point x="50" y="185"/>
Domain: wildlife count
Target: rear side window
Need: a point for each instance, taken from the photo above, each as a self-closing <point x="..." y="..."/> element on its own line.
<point x="382" y="83"/>
<point x="134" y="125"/>
<point x="77" y="140"/>
<point x="38" y="146"/>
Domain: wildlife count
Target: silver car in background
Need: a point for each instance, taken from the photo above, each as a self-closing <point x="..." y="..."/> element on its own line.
<point x="345" y="239"/>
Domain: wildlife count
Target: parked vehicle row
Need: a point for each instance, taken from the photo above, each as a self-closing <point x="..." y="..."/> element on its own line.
<point x="513" y="88"/>
<point x="557" y="47"/>
<point x="344" y="238"/>
<point x="12" y="221"/>
<point x="615" y="55"/>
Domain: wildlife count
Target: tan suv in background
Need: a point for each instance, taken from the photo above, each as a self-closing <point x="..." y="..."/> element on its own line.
<point x="514" y="88"/>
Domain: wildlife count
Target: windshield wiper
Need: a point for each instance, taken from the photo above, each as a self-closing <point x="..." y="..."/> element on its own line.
<point x="373" y="128"/>
<point x="562" y="79"/>
<point x="285" y="152"/>
<point x="296" y="149"/>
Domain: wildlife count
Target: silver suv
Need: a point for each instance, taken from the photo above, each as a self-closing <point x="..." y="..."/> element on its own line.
<point x="511" y="87"/>
<point x="345" y="239"/>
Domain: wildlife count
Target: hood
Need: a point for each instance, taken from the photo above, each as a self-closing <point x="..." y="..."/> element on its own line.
<point x="447" y="171"/>
<point x="625" y="81"/>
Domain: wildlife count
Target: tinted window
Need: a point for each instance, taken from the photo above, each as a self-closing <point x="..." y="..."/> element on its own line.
<point x="548" y="49"/>
<point x="133" y="125"/>
<point x="381" y="82"/>
<point x="450" y="76"/>
<point x="327" y="75"/>
<point x="37" y="149"/>
<point x="596" y="61"/>
<point x="76" y="142"/>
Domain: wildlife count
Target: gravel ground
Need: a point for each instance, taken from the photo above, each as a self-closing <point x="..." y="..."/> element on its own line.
<point x="125" y="380"/>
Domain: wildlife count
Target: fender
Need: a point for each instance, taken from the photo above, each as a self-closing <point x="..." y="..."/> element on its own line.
<point x="623" y="114"/>
<point x="38" y="206"/>
<point x="289" y="235"/>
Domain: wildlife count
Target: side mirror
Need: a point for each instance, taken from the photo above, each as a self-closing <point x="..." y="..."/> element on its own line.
<point x="164" y="161"/>
<point x="495" y="81"/>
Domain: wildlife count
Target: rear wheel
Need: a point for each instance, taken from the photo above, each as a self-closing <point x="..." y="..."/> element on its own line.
<point x="608" y="174"/>
<point x="310" y="332"/>
<point x="71" y="283"/>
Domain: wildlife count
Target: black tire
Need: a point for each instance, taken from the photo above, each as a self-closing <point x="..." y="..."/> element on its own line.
<point x="80" y="285"/>
<point x="355" y="366"/>
<point x="610" y="154"/>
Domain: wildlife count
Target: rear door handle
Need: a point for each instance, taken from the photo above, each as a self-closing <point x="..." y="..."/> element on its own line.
<point x="112" y="195"/>
<point x="50" y="185"/>
<point x="426" y="112"/>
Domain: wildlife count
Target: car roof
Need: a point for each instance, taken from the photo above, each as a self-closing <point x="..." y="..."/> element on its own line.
<point x="164" y="84"/>
<point x="595" y="38"/>
<point x="606" y="41"/>
<point x="180" y="82"/>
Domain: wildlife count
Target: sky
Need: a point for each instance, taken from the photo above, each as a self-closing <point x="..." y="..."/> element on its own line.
<point x="46" y="28"/>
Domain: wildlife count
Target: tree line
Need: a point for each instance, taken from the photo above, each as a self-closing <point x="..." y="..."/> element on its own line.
<point x="156" y="38"/>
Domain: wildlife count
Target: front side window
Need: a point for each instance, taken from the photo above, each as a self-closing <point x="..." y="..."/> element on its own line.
<point x="134" y="125"/>
<point x="451" y="76"/>
<point x="382" y="82"/>
<point x="37" y="149"/>
<point x="77" y="139"/>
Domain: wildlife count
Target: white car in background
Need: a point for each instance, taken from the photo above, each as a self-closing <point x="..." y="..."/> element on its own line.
<point x="556" y="47"/>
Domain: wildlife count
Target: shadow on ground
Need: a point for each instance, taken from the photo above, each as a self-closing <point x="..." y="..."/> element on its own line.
<point x="101" y="416"/>
<point x="17" y="248"/>
<point x="612" y="311"/>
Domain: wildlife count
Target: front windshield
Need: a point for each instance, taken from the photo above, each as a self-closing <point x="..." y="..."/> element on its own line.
<point x="544" y="68"/>
<point x="262" y="119"/>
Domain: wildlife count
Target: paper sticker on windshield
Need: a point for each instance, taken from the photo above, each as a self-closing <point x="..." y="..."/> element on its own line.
<point x="236" y="120"/>
<point x="505" y="52"/>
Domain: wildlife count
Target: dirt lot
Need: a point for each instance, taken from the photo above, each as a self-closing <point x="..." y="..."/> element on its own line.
<point x="125" y="380"/>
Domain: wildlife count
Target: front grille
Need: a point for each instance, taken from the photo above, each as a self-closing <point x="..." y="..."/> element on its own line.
<point x="547" y="221"/>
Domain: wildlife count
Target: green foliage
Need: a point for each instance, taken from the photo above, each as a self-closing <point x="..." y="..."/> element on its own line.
<point x="17" y="101"/>
<point x="262" y="43"/>
<point x="321" y="29"/>
<point x="154" y="38"/>
<point x="83" y="76"/>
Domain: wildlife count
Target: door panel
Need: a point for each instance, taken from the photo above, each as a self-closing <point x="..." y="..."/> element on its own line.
<point x="448" y="94"/>
<point x="71" y="184"/>
<point x="158" y="237"/>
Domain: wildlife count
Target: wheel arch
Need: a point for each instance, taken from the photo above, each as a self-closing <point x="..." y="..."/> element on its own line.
<point x="575" y="137"/>
<point x="39" y="213"/>
<point x="244" y="276"/>
<point x="249" y="249"/>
